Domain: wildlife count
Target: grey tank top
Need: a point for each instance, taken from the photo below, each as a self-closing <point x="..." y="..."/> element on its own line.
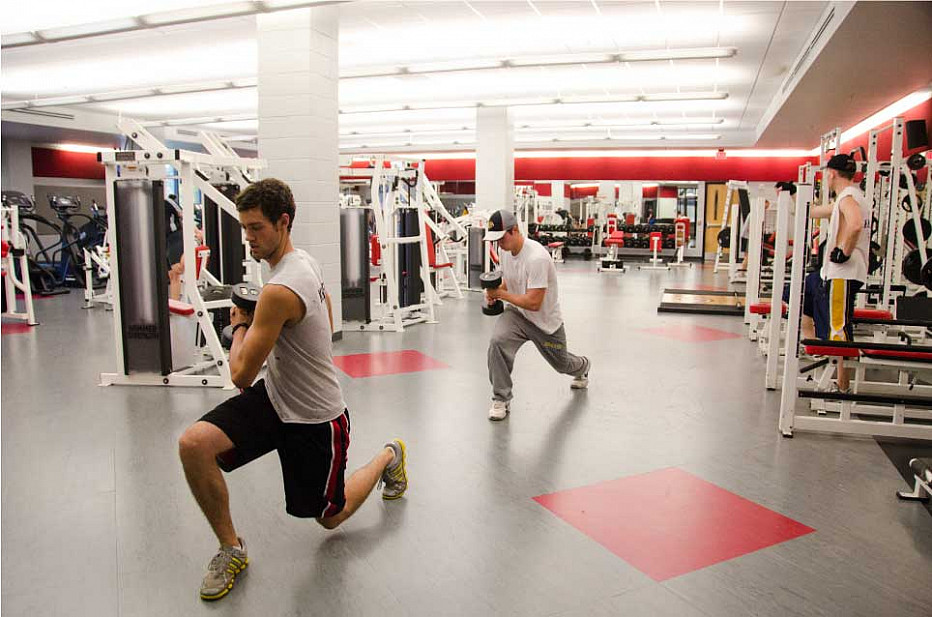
<point x="301" y="379"/>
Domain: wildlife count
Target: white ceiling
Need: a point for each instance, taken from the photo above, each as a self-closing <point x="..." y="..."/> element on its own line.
<point x="767" y="37"/>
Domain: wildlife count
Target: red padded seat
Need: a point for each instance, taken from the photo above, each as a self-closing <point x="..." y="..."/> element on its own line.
<point x="921" y="356"/>
<point x="763" y="308"/>
<point x="617" y="238"/>
<point x="841" y="352"/>
<point x="865" y="313"/>
<point x="554" y="245"/>
<point x="176" y="307"/>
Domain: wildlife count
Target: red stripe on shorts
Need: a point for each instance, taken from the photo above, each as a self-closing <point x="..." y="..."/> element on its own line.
<point x="337" y="454"/>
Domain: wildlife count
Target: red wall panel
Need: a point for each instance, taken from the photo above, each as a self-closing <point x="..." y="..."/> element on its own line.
<point x="618" y="168"/>
<point x="50" y="163"/>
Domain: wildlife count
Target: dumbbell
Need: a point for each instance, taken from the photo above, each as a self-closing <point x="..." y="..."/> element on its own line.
<point x="245" y="296"/>
<point x="915" y="271"/>
<point x="492" y="280"/>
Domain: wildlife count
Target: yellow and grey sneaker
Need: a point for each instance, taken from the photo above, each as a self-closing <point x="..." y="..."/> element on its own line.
<point x="394" y="480"/>
<point x="222" y="571"/>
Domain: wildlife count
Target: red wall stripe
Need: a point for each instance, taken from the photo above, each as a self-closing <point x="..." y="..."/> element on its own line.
<point x="50" y="163"/>
<point x="616" y="168"/>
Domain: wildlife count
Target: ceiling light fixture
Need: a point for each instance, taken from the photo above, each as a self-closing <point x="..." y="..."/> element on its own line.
<point x="526" y="102"/>
<point x="154" y="20"/>
<point x="459" y="65"/>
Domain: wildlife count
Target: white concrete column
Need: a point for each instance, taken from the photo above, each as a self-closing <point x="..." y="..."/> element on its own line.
<point x="495" y="159"/>
<point x="558" y="195"/>
<point x="298" y="127"/>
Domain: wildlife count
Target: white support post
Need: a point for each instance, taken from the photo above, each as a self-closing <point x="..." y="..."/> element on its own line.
<point x="790" y="392"/>
<point x="752" y="291"/>
<point x="110" y="176"/>
<point x="892" y="258"/>
<point x="776" y="301"/>
<point x="430" y="294"/>
<point x="734" y="246"/>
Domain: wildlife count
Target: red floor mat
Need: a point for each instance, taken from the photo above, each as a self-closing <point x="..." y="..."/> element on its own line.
<point x="670" y="522"/>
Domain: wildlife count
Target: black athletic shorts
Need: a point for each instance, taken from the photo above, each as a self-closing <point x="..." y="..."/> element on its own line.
<point x="312" y="456"/>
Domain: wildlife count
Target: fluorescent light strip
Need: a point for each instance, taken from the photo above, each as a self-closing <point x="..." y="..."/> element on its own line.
<point x="886" y="114"/>
<point x="486" y="64"/>
<point x="528" y="102"/>
<point x="154" y="20"/>
<point x="80" y="148"/>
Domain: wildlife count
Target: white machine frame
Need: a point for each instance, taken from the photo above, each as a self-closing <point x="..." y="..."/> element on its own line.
<point x="150" y="163"/>
<point x="11" y="282"/>
<point x="896" y="422"/>
<point x="384" y="205"/>
<point x="731" y="217"/>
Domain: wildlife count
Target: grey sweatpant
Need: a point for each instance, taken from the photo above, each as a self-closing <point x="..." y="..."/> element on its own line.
<point x="511" y="331"/>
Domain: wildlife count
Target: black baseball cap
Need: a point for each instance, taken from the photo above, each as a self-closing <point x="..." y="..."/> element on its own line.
<point x="500" y="222"/>
<point x="842" y="162"/>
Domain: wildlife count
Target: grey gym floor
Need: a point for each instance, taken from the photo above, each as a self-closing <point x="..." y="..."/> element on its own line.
<point x="97" y="518"/>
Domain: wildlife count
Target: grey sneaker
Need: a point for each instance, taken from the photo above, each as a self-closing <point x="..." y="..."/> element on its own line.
<point x="221" y="573"/>
<point x="582" y="382"/>
<point x="394" y="480"/>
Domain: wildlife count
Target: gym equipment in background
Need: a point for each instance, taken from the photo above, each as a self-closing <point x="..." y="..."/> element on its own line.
<point x="160" y="341"/>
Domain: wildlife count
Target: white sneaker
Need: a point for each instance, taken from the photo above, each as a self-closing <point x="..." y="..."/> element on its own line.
<point x="498" y="411"/>
<point x="581" y="382"/>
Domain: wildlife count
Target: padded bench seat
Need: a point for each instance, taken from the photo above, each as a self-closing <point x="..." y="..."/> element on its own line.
<point x="848" y="352"/>
<point x="552" y="245"/>
<point x="176" y="307"/>
<point x="617" y="238"/>
<point x="763" y="308"/>
<point x="866" y="313"/>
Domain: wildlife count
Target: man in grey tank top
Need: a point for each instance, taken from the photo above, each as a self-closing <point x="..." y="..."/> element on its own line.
<point x="297" y="410"/>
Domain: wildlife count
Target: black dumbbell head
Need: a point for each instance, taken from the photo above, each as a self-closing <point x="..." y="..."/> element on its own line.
<point x="490" y="280"/>
<point x="496" y="308"/>
<point x="246" y="296"/>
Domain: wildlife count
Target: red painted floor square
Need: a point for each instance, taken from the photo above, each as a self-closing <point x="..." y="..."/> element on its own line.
<point x="692" y="334"/>
<point x="14" y="327"/>
<point x="386" y="363"/>
<point x="669" y="522"/>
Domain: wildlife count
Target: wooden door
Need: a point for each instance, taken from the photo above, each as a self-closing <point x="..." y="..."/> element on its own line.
<point x="714" y="213"/>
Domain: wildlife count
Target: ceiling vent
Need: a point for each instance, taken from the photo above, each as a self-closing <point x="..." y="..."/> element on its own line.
<point x="816" y="38"/>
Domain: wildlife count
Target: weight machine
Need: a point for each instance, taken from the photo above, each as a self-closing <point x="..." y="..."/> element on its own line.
<point x="905" y="403"/>
<point x="150" y="348"/>
<point x="15" y="264"/>
<point x="401" y="201"/>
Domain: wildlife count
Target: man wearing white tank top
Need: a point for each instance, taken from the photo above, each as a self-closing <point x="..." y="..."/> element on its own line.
<point x="847" y="248"/>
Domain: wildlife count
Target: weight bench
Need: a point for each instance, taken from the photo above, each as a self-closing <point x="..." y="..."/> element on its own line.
<point x="556" y="252"/>
<point x="612" y="263"/>
<point x="922" y="484"/>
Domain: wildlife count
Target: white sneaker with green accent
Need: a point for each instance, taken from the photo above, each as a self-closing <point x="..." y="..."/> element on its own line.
<point x="222" y="571"/>
<point x="498" y="411"/>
